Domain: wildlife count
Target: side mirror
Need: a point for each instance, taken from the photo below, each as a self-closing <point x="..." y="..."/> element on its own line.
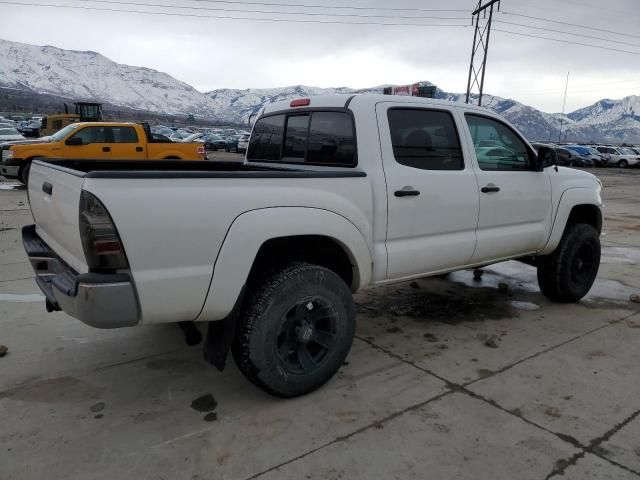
<point x="547" y="157"/>
<point x="74" y="141"/>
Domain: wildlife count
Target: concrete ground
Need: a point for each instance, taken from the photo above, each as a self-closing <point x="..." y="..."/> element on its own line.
<point x="421" y="396"/>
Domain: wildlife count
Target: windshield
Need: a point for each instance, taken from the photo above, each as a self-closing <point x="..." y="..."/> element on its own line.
<point x="60" y="134"/>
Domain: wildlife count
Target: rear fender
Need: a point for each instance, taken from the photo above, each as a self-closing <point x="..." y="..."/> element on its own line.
<point x="252" y="229"/>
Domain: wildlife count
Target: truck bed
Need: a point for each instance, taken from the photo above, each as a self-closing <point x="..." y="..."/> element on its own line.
<point x="88" y="168"/>
<point x="174" y="216"/>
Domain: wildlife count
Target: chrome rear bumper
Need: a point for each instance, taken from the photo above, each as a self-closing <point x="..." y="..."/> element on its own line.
<point x="101" y="300"/>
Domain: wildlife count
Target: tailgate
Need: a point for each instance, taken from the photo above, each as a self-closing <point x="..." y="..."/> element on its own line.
<point x="54" y="195"/>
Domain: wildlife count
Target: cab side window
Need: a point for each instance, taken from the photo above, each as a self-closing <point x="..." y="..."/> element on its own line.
<point x="92" y="135"/>
<point x="124" y="135"/>
<point x="497" y="146"/>
<point x="425" y="139"/>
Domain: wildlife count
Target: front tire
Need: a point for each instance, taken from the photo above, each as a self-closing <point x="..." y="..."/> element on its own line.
<point x="568" y="274"/>
<point x="24" y="173"/>
<point x="623" y="164"/>
<point x="294" y="330"/>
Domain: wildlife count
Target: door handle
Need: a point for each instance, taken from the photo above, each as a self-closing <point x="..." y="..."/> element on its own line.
<point x="407" y="192"/>
<point x="47" y="188"/>
<point x="491" y="188"/>
<point x="106" y="149"/>
<point x="139" y="149"/>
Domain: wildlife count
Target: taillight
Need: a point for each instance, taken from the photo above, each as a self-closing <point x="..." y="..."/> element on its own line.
<point x="100" y="240"/>
<point x="200" y="150"/>
<point x="300" y="102"/>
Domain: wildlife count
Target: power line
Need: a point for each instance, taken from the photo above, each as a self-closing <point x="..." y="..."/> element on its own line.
<point x="229" y="17"/>
<point x="588" y="27"/>
<point x="305" y="5"/>
<point x="278" y="12"/>
<point x="567" y="41"/>
<point x="557" y="31"/>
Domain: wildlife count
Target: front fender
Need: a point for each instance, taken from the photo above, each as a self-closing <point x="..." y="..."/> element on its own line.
<point x="570" y="198"/>
<point x="252" y="229"/>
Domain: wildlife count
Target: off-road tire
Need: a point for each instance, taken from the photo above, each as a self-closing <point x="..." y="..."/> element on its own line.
<point x="568" y="274"/>
<point x="24" y="173"/>
<point x="265" y="314"/>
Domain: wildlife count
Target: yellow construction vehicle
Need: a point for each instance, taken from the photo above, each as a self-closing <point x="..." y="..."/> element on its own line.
<point x="85" y="112"/>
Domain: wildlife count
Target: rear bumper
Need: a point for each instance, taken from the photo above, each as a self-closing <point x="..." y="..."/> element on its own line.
<point x="97" y="299"/>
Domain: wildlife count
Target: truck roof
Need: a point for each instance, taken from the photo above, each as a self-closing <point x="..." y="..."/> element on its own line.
<point x="365" y="99"/>
<point x="106" y="124"/>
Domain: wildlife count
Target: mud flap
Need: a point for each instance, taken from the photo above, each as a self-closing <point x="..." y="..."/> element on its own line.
<point x="220" y="337"/>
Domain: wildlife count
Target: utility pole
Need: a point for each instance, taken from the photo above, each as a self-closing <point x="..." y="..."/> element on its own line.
<point x="564" y="104"/>
<point x="480" y="39"/>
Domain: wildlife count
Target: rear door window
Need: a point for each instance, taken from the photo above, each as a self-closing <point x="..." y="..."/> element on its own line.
<point x="124" y="135"/>
<point x="425" y="139"/>
<point x="316" y="137"/>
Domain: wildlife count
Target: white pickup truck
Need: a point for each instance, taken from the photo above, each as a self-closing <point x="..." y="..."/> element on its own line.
<point x="336" y="193"/>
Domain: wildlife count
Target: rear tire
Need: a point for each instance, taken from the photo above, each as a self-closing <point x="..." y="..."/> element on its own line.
<point x="295" y="329"/>
<point x="568" y="274"/>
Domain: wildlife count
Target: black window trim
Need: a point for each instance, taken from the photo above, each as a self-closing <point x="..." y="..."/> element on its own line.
<point x="532" y="153"/>
<point x="430" y="109"/>
<point x="309" y="111"/>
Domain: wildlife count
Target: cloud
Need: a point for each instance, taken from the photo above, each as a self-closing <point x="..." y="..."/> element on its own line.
<point x="213" y="53"/>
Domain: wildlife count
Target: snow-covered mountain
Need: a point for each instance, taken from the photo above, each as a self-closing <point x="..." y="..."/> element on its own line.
<point x="90" y="76"/>
<point x="610" y="123"/>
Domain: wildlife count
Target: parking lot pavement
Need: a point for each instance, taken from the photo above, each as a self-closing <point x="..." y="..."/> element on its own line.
<point x="448" y="378"/>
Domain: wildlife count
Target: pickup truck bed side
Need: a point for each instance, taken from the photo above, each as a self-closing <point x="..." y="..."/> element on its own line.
<point x="181" y="259"/>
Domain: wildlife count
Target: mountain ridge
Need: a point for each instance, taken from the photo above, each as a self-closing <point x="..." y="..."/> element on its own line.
<point x="88" y="75"/>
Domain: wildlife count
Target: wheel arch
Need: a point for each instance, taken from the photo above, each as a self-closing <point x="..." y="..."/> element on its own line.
<point x="269" y="237"/>
<point x="577" y="205"/>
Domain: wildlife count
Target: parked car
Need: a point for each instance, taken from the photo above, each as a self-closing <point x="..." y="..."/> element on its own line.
<point x="214" y="142"/>
<point x="195" y="137"/>
<point x="598" y="159"/>
<point x="178" y="136"/>
<point x="159" y="138"/>
<point x="243" y="143"/>
<point x="31" y="130"/>
<point x="95" y="140"/>
<point x="310" y="217"/>
<point x="571" y="158"/>
<point x="10" y="133"/>
<point x="590" y="154"/>
<point x="231" y="143"/>
<point x="632" y="154"/>
<point x="615" y="157"/>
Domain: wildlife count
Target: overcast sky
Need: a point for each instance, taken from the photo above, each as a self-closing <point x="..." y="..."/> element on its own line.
<point x="211" y="53"/>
